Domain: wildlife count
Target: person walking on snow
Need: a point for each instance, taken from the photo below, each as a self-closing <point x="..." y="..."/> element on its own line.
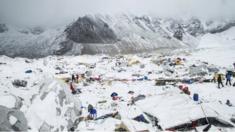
<point x="72" y="88"/>
<point x="220" y="81"/>
<point x="73" y="78"/>
<point x="215" y="77"/>
<point x="92" y="112"/>
<point x="77" y="78"/>
<point x="228" y="78"/>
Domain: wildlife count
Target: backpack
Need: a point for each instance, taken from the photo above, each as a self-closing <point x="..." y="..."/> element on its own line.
<point x="90" y="107"/>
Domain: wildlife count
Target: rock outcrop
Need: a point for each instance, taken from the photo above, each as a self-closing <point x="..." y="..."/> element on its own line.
<point x="90" y="30"/>
<point x="3" y="28"/>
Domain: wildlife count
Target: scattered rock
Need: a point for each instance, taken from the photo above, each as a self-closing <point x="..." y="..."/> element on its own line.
<point x="19" y="83"/>
<point x="139" y="97"/>
<point x="62" y="97"/>
<point x="43" y="96"/>
<point x="142" y="66"/>
<point x="28" y="61"/>
<point x="121" y="128"/>
<point x="19" y="102"/>
<point x="58" y="111"/>
<point x="198" y="70"/>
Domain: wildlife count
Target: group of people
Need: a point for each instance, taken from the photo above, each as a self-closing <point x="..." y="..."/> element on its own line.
<point x="219" y="79"/>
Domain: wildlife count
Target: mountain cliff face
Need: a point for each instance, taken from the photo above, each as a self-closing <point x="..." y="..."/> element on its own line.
<point x="124" y="34"/>
<point x="3" y="28"/>
<point x="107" y="34"/>
<point x="88" y="30"/>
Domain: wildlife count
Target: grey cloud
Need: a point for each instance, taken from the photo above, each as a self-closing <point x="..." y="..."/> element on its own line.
<point x="59" y="11"/>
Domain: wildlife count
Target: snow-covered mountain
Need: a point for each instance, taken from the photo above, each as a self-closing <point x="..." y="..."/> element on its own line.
<point x="45" y="101"/>
<point x="94" y="34"/>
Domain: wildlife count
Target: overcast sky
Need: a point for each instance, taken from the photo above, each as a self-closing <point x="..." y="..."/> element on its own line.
<point x="59" y="11"/>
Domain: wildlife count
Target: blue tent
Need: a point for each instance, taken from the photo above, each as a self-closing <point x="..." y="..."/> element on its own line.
<point x="188" y="81"/>
<point x="114" y="94"/>
<point x="146" y="78"/>
<point x="141" y="118"/>
<point x="28" y="71"/>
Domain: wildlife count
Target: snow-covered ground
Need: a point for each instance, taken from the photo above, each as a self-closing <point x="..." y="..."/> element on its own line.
<point x="49" y="105"/>
<point x="217" y="49"/>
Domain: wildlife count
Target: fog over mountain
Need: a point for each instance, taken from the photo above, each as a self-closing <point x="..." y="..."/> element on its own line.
<point x="51" y="12"/>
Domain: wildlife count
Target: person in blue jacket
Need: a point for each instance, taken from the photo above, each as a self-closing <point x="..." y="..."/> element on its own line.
<point x="92" y="112"/>
<point x="228" y="78"/>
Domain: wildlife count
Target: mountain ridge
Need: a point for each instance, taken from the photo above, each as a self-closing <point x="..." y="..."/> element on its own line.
<point x="96" y="34"/>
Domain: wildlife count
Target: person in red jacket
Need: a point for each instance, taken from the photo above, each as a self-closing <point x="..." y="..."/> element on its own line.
<point x="72" y="88"/>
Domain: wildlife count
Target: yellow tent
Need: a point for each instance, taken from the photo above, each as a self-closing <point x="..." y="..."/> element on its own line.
<point x="134" y="60"/>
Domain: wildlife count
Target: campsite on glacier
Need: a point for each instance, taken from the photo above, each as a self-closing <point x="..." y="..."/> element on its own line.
<point x="118" y="71"/>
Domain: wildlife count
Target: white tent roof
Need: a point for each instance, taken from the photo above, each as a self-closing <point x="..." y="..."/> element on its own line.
<point x="173" y="109"/>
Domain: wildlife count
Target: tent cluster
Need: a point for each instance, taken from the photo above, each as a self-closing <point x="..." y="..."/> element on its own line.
<point x="173" y="76"/>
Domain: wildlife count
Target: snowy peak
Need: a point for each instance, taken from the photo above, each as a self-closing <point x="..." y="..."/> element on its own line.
<point x="95" y="34"/>
<point x="89" y="29"/>
<point x="124" y="34"/>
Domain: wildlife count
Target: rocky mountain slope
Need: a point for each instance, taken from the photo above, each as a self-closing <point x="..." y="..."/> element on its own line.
<point x="94" y="34"/>
<point x="45" y="101"/>
<point x="35" y="94"/>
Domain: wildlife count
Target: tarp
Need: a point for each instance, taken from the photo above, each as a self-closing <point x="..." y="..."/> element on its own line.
<point x="141" y="118"/>
<point x="174" y="109"/>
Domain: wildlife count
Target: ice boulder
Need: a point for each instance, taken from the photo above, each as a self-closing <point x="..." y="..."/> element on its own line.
<point x="12" y="120"/>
